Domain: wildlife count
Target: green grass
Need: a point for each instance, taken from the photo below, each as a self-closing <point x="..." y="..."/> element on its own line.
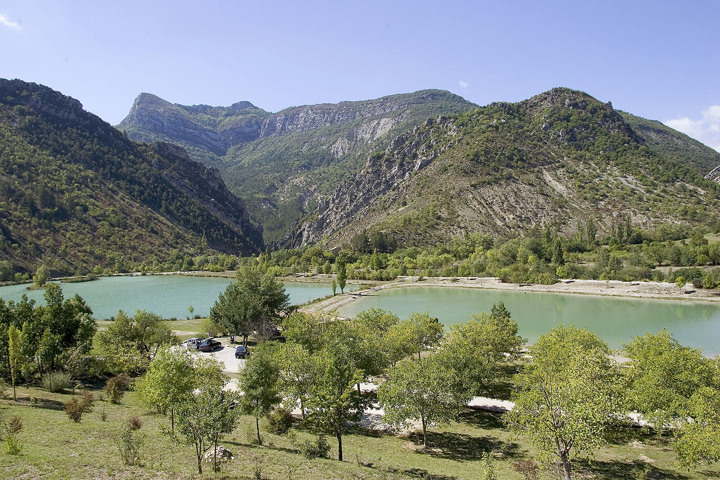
<point x="56" y="448"/>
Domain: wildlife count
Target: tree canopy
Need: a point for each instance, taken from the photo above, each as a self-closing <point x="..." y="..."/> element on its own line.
<point x="251" y="304"/>
<point x="568" y="396"/>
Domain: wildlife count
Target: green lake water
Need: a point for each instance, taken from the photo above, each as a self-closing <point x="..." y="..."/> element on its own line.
<point x="616" y="320"/>
<point x="166" y="295"/>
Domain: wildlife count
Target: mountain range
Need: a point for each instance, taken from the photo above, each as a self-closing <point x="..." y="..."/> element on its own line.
<point x="282" y="163"/>
<point x="416" y="169"/>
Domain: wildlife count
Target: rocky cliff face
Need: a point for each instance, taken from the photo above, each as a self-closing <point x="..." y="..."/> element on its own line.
<point x="281" y="161"/>
<point x="556" y="159"/>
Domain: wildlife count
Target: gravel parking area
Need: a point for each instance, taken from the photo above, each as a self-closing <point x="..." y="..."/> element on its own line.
<point x="226" y="355"/>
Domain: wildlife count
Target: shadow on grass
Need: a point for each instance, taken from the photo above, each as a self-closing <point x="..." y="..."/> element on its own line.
<point x="647" y="436"/>
<point x="420" y="473"/>
<point x="615" y="469"/>
<point x="41" y="403"/>
<point x="482" y="419"/>
<point x="460" y="446"/>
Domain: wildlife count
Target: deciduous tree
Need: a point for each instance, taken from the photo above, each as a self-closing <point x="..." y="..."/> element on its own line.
<point x="259" y="383"/>
<point x="568" y="396"/>
<point x="421" y="390"/>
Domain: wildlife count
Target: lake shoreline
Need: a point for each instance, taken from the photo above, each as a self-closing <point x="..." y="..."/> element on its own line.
<point x="662" y="291"/>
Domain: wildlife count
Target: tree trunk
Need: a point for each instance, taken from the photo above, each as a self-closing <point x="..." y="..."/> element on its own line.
<point x="338" y="434"/>
<point x="424" y="425"/>
<point x="566" y="465"/>
<point x="172" y="419"/>
<point x="198" y="453"/>
<point x="257" y="426"/>
<point x="215" y="469"/>
<point x="302" y="408"/>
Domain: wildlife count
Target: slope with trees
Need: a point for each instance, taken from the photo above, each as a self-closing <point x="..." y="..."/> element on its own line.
<point x="557" y="160"/>
<point x="76" y="194"/>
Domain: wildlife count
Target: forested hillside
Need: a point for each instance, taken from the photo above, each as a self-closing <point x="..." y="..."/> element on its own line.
<point x="558" y="160"/>
<point x="76" y="194"/>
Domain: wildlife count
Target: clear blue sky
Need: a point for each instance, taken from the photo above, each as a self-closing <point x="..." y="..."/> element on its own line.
<point x="658" y="59"/>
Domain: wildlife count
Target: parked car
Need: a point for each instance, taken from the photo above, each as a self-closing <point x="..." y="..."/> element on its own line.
<point x="192" y="343"/>
<point x="208" y="345"/>
<point x="242" y="351"/>
<point x="277" y="336"/>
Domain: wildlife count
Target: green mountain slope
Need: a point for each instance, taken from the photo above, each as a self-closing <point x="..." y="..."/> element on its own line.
<point x="76" y="193"/>
<point x="555" y="160"/>
<point x="280" y="162"/>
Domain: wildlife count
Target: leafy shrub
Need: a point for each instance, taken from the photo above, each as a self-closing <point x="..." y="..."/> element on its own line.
<point x="279" y="421"/>
<point x="527" y="468"/>
<point x="116" y="387"/>
<point x="56" y="382"/>
<point x="320" y="448"/>
<point x="9" y="434"/>
<point x="129" y="442"/>
<point x="76" y="407"/>
<point x="134" y="423"/>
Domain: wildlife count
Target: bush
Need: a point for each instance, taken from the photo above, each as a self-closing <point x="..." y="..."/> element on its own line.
<point x="527" y="468"/>
<point x="9" y="435"/>
<point x="76" y="407"/>
<point x="56" y="382"/>
<point x="320" y="448"/>
<point x="209" y="326"/>
<point x="116" y="387"/>
<point x="279" y="421"/>
<point x="129" y="442"/>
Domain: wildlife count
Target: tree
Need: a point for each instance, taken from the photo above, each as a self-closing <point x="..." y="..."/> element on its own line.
<point x="341" y="271"/>
<point x="474" y="350"/>
<point x="662" y="376"/>
<point x="129" y="343"/>
<point x="169" y="380"/>
<point x="333" y="400"/>
<point x="259" y="383"/>
<point x="568" y="396"/>
<point x="298" y="371"/>
<point x="42" y="275"/>
<point x="370" y="333"/>
<point x="699" y="439"/>
<point x="205" y="415"/>
<point x="415" y="334"/>
<point x="421" y="390"/>
<point x="15" y="354"/>
<point x="252" y="303"/>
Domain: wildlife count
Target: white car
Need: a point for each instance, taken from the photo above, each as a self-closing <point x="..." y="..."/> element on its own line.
<point x="192" y="343"/>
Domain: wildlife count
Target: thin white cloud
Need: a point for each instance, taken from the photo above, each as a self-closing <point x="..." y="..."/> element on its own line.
<point x="706" y="129"/>
<point x="5" y="20"/>
<point x="462" y="84"/>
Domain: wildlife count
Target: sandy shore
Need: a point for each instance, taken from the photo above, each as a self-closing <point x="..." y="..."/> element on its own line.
<point x="606" y="288"/>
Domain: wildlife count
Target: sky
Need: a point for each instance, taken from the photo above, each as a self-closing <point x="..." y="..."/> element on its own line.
<point x="656" y="59"/>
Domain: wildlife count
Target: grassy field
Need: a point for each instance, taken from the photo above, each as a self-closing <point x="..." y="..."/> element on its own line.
<point x="53" y="447"/>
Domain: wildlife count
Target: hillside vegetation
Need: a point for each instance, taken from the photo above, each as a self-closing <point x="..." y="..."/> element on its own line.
<point x="556" y="160"/>
<point x="76" y="194"/>
<point x="280" y="162"/>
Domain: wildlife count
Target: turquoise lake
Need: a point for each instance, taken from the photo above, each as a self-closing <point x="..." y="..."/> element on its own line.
<point x="616" y="320"/>
<point x="169" y="296"/>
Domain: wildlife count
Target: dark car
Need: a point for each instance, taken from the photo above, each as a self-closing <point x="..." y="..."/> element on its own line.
<point x="242" y="352"/>
<point x="208" y="345"/>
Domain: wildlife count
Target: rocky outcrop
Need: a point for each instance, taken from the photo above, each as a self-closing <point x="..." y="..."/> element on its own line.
<point x="282" y="161"/>
<point x="554" y="160"/>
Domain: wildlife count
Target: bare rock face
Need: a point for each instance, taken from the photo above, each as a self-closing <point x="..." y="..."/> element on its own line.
<point x="556" y="160"/>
